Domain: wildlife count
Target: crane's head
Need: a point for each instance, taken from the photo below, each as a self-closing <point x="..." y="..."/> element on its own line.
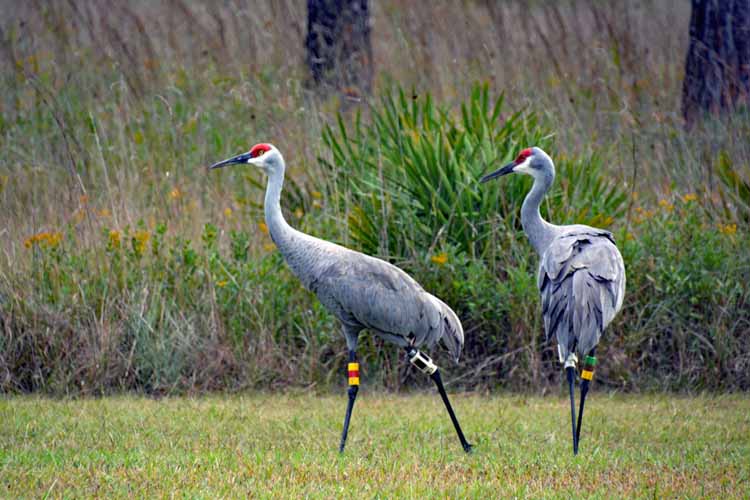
<point x="531" y="161"/>
<point x="263" y="155"/>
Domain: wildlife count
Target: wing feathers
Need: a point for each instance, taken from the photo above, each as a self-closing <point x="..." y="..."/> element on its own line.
<point x="581" y="280"/>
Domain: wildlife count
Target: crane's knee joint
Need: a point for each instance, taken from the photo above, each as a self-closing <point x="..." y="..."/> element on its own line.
<point x="422" y="361"/>
<point x="589" y="363"/>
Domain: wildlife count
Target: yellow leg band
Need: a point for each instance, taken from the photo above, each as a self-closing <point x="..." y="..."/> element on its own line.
<point x="353" y="369"/>
<point x="587" y="375"/>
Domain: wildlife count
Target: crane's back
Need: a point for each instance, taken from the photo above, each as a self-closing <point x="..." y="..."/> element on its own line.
<point x="366" y="292"/>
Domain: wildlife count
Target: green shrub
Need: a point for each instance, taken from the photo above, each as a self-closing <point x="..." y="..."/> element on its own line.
<point x="411" y="175"/>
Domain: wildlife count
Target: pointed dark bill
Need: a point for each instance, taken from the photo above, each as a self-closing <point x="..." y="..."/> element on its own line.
<point x="231" y="161"/>
<point x="505" y="170"/>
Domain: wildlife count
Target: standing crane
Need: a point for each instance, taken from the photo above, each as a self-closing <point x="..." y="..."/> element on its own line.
<point x="581" y="277"/>
<point x="361" y="291"/>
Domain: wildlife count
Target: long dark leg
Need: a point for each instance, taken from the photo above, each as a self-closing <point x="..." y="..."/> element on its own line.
<point x="425" y="365"/>
<point x="571" y="372"/>
<point x="353" y="370"/>
<point x="587" y="374"/>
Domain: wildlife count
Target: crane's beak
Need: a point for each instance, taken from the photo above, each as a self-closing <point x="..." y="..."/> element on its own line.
<point x="505" y="170"/>
<point x="243" y="158"/>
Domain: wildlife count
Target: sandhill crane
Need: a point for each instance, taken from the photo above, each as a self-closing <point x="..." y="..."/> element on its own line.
<point x="361" y="291"/>
<point x="581" y="276"/>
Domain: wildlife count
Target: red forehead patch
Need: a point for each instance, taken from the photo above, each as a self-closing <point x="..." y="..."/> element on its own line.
<point x="259" y="149"/>
<point x="523" y="155"/>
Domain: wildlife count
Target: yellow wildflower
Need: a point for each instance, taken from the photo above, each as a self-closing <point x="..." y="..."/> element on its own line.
<point x="299" y="213"/>
<point x="44" y="239"/>
<point x="268" y="247"/>
<point x="141" y="238"/>
<point x="440" y="258"/>
<point x="728" y="229"/>
<point x="175" y="194"/>
<point x="228" y="213"/>
<point x="689" y="197"/>
<point x="316" y="194"/>
<point x="222" y="283"/>
<point x="114" y="238"/>
<point x="666" y="205"/>
<point x="55" y="238"/>
<point x="263" y="227"/>
<point x="104" y="213"/>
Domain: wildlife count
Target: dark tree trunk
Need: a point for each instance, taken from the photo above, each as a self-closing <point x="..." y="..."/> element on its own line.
<point x="338" y="48"/>
<point x="717" y="70"/>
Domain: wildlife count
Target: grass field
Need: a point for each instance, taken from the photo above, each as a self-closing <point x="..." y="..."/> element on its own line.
<point x="400" y="445"/>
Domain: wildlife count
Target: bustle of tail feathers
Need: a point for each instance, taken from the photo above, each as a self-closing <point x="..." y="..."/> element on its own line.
<point x="453" y="332"/>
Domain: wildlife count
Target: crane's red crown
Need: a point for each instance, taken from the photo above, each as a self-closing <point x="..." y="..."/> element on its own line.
<point x="259" y="149"/>
<point x="523" y="155"/>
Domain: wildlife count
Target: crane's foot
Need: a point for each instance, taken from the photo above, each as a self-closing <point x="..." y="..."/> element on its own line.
<point x="426" y="366"/>
<point x="353" y="372"/>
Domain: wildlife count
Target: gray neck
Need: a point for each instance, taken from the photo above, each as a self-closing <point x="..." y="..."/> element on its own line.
<point x="300" y="251"/>
<point x="280" y="231"/>
<point x="539" y="231"/>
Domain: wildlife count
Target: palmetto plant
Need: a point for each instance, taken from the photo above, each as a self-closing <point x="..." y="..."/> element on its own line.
<point x="410" y="175"/>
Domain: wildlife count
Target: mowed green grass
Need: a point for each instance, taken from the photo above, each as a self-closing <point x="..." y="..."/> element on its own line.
<point x="399" y="445"/>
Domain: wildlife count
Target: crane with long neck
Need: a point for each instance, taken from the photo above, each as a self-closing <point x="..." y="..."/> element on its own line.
<point x="581" y="277"/>
<point x="361" y="291"/>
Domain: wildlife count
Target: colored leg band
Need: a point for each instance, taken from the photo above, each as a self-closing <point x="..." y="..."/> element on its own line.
<point x="353" y="369"/>
<point x="422" y="361"/>
<point x="589" y="363"/>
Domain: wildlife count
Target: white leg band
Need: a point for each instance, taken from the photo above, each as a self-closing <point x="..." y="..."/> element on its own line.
<point x="422" y="362"/>
<point x="572" y="360"/>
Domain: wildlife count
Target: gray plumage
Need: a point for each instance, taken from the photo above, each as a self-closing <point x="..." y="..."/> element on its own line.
<point x="581" y="280"/>
<point x="361" y="291"/>
<point x="581" y="272"/>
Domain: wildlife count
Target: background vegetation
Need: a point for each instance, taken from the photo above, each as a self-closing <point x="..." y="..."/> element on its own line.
<point x="125" y="266"/>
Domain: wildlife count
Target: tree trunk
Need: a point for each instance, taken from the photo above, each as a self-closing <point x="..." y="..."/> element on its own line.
<point x="717" y="70"/>
<point x="338" y="48"/>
